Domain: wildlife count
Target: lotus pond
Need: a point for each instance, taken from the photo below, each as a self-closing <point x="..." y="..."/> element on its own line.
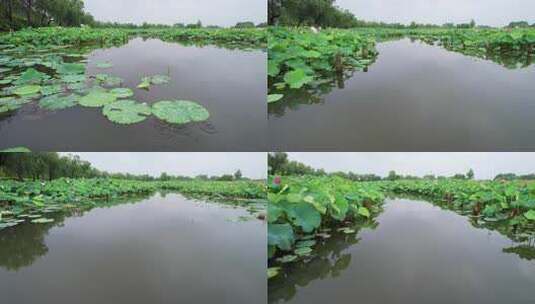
<point x="160" y="247"/>
<point x="460" y="241"/>
<point x="409" y="90"/>
<point x="158" y="90"/>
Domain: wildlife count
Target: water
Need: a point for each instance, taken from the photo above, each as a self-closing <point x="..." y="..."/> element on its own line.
<point x="159" y="250"/>
<point x="418" y="253"/>
<point x="231" y="84"/>
<point x="416" y="97"/>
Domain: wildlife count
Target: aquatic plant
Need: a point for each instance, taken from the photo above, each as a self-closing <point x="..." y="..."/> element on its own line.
<point x="180" y="111"/>
<point x="126" y="112"/>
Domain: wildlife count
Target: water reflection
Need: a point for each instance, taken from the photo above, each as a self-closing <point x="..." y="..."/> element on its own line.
<point x="421" y="253"/>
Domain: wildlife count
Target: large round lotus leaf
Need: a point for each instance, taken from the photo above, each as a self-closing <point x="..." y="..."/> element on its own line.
<point x="51" y="89"/>
<point x="27" y="90"/>
<point x="71" y="68"/>
<point x="73" y="78"/>
<point x="180" y="111"/>
<point x="160" y="79"/>
<point x="11" y="104"/>
<point x="58" y="102"/>
<point x="126" y="112"/>
<point x="97" y="99"/>
<point x="122" y="92"/>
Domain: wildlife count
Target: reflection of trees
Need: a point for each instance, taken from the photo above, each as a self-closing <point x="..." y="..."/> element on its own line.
<point x="328" y="261"/>
<point x="23" y="244"/>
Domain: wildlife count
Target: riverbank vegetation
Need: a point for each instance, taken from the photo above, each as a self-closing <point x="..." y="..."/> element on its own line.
<point x="306" y="206"/>
<point x="34" y="184"/>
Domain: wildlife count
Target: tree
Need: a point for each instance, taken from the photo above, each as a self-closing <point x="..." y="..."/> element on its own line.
<point x="238" y="175"/>
<point x="470" y="174"/>
<point x="392" y="175"/>
<point x="472" y="23"/>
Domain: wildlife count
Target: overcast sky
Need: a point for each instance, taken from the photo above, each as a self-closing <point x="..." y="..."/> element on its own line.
<point x="252" y="165"/>
<point x="485" y="165"/>
<point x="488" y="12"/>
<point x="210" y="12"/>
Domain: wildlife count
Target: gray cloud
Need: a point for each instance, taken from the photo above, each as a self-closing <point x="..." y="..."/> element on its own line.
<point x="213" y="12"/>
<point x="489" y="12"/>
<point x="252" y="165"/>
<point x="485" y="165"/>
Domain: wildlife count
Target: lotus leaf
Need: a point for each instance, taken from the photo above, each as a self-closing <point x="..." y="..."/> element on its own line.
<point x="42" y="221"/>
<point x="51" y="89"/>
<point x="274" y="98"/>
<point x="97" y="99"/>
<point x="58" y="102"/>
<point x="280" y="235"/>
<point x="160" y="79"/>
<point x="122" y="92"/>
<point x="27" y="90"/>
<point x="104" y="65"/>
<point x="297" y="78"/>
<point x="180" y="111"/>
<point x="113" y="81"/>
<point x="530" y="215"/>
<point x="31" y="76"/>
<point x="17" y="150"/>
<point x="71" y="68"/>
<point x="273" y="272"/>
<point x="145" y="84"/>
<point x="73" y="78"/>
<point x="126" y="112"/>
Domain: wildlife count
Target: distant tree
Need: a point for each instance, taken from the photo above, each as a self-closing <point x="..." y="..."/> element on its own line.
<point x="459" y="176"/>
<point x="164" y="176"/>
<point x="226" y="177"/>
<point x="392" y="176"/>
<point x="472" y="23"/>
<point x="246" y="24"/>
<point x="515" y="24"/>
<point x="238" y="175"/>
<point x="470" y="174"/>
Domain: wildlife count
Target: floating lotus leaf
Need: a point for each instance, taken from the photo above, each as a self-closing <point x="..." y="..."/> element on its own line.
<point x="3" y="70"/>
<point x="51" y="89"/>
<point x="113" y="81"/>
<point x="274" y="97"/>
<point x="273" y="272"/>
<point x="78" y="86"/>
<point x="42" y="221"/>
<point x="126" y="112"/>
<point x="97" y="99"/>
<point x="281" y="235"/>
<point x="102" y="77"/>
<point x="16" y="150"/>
<point x="31" y="76"/>
<point x="122" y="92"/>
<point x="104" y="65"/>
<point x="530" y="215"/>
<point x="180" y="111"/>
<point x="6" y="81"/>
<point x="145" y="84"/>
<point x="287" y="258"/>
<point x="58" y="102"/>
<point x="11" y="104"/>
<point x="303" y="251"/>
<point x="70" y="78"/>
<point x="71" y="68"/>
<point x="160" y="79"/>
<point x="27" y="90"/>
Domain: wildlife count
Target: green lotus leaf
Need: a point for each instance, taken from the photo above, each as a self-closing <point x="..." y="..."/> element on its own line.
<point x="71" y="68"/>
<point x="11" y="104"/>
<point x="58" y="102"/>
<point x="287" y="258"/>
<point x="27" y="90"/>
<point x="42" y="221"/>
<point x="6" y="81"/>
<point x="364" y="212"/>
<point x="97" y="99"/>
<point x="126" y="112"/>
<point x="102" y="77"/>
<point x="3" y="70"/>
<point x="273" y="69"/>
<point x="31" y="76"/>
<point x="274" y="97"/>
<point x="51" y="89"/>
<point x="122" y="92"/>
<point x="281" y="235"/>
<point x="160" y="79"/>
<point x="297" y="78"/>
<point x="113" y="81"/>
<point x="73" y="78"/>
<point x="305" y="216"/>
<point x="145" y="83"/>
<point x="303" y="251"/>
<point x="273" y="272"/>
<point x="530" y="215"/>
<point x="180" y="111"/>
<point x="17" y="150"/>
<point x="104" y="65"/>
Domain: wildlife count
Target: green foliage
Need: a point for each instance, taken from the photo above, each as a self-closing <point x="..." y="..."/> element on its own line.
<point x="180" y="111"/>
<point x="59" y="102"/>
<point x="126" y="112"/>
<point x="97" y="99"/>
<point x="122" y="92"/>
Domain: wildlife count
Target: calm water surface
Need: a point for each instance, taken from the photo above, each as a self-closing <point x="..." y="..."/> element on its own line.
<point x="416" y="97"/>
<point x="231" y="84"/>
<point x="159" y="250"/>
<point x="418" y="253"/>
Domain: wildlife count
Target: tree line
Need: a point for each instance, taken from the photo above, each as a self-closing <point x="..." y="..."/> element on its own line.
<point x="51" y="165"/>
<point x="279" y="164"/>
<point x="325" y="13"/>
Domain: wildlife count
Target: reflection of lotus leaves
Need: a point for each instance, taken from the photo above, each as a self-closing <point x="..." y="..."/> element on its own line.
<point x="126" y="112"/>
<point x="180" y="111"/>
